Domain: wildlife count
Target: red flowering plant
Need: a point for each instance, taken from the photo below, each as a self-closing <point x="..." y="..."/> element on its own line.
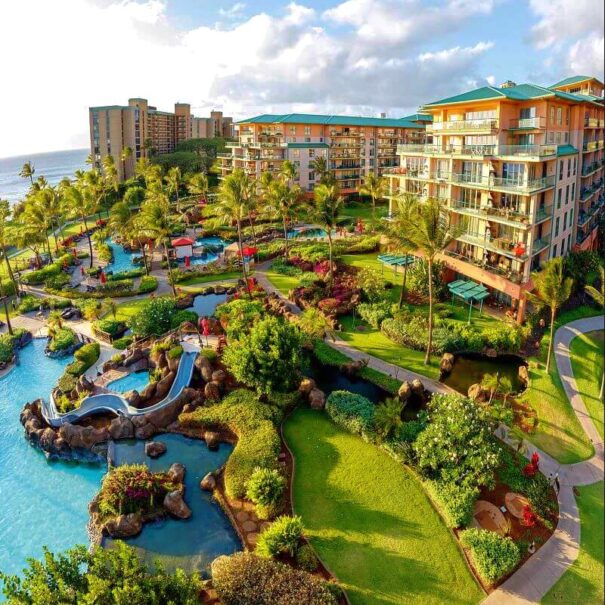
<point x="132" y="488"/>
<point x="101" y="223"/>
<point x="529" y="518"/>
<point x="532" y="468"/>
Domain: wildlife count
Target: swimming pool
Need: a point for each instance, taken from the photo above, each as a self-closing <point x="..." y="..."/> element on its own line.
<point x="306" y="232"/>
<point x="43" y="503"/>
<point x="194" y="543"/>
<point x="130" y="382"/>
<point x="122" y="260"/>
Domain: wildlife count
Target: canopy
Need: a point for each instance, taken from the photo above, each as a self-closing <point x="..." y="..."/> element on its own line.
<point x="396" y="260"/>
<point x="182" y="241"/>
<point x="469" y="291"/>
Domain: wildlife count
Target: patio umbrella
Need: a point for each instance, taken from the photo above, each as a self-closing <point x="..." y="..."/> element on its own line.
<point x="102" y="278"/>
<point x="249" y="251"/>
<point x="187" y="261"/>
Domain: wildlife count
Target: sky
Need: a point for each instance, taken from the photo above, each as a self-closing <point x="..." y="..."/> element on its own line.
<point x="358" y="57"/>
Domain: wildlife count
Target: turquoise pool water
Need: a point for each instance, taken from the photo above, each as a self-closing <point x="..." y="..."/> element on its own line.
<point x="194" y="543"/>
<point x="42" y="503"/>
<point x="122" y="260"/>
<point x="311" y="233"/>
<point x="134" y="380"/>
<point x="207" y="303"/>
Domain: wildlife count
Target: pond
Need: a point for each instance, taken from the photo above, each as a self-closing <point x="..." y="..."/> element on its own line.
<point x="469" y="369"/>
<point x="205" y="304"/>
<point x="43" y="503"/>
<point x="191" y="544"/>
<point x="130" y="382"/>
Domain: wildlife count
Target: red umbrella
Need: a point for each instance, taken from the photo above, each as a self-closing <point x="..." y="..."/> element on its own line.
<point x="249" y="251"/>
<point x="187" y="261"/>
<point x="102" y="278"/>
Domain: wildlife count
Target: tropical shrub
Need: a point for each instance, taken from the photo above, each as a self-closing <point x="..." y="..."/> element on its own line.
<point x="122" y="343"/>
<point x="81" y="575"/>
<point x="455" y="503"/>
<point x="266" y="489"/>
<point x="85" y="357"/>
<point x="244" y="578"/>
<point x="8" y="287"/>
<point x="387" y="418"/>
<point x="254" y="424"/>
<point x="458" y="445"/>
<point x="353" y="412"/>
<point x="128" y="274"/>
<point x="492" y="555"/>
<point x="62" y="339"/>
<point x="148" y="283"/>
<point x="268" y="358"/>
<point x="239" y="315"/>
<point x="104" y="252"/>
<point x="418" y="279"/>
<point x="8" y="342"/>
<point x="175" y="352"/>
<point x="283" y="267"/>
<point x="113" y="327"/>
<point x="154" y="318"/>
<point x="306" y="559"/>
<point x="183" y="316"/>
<point x="56" y="282"/>
<point x="281" y="537"/>
<point x="504" y="337"/>
<point x="113" y="287"/>
<point x="372" y="284"/>
<point x="314" y="324"/>
<point x="374" y="313"/>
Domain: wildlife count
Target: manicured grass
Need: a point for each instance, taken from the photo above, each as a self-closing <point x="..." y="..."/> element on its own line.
<point x="363" y="210"/>
<point x="284" y="283"/>
<point x="587" y="365"/>
<point x="204" y="279"/>
<point x="559" y="432"/>
<point x="369" y="340"/>
<point x="583" y="582"/>
<point x="127" y="309"/>
<point x="370" y="521"/>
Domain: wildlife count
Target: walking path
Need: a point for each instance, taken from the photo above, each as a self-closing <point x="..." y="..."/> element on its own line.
<point x="541" y="572"/>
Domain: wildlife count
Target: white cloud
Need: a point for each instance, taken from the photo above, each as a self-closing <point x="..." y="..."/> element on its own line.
<point x="68" y="55"/>
<point x="233" y="12"/>
<point x="573" y="31"/>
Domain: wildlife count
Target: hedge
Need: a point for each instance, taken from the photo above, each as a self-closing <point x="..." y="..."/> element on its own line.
<point x="148" y="283"/>
<point x="254" y="423"/>
<point x="244" y="578"/>
<point x="109" y="326"/>
<point x="492" y="555"/>
<point x="129" y="274"/>
<point x="352" y="412"/>
<point x="455" y="503"/>
<point x="7" y="344"/>
<point x="62" y="339"/>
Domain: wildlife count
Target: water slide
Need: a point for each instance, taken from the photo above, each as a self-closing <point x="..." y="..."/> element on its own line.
<point x="116" y="404"/>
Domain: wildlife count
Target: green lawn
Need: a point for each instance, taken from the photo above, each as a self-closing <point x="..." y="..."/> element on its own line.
<point x="284" y="283"/>
<point x="127" y="309"/>
<point x="370" y="521"/>
<point x="204" y="279"/>
<point x="587" y="365"/>
<point x="583" y="582"/>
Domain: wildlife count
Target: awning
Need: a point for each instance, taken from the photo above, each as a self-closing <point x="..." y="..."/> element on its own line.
<point x="468" y="291"/>
<point x="182" y="241"/>
<point x="396" y="260"/>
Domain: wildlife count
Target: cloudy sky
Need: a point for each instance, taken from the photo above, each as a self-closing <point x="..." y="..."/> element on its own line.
<point x="249" y="57"/>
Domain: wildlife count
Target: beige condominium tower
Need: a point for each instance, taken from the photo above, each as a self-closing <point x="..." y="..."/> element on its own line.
<point x="146" y="131"/>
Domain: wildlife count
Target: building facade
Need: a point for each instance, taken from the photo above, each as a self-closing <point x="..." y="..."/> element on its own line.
<point x="351" y="146"/>
<point x="146" y="130"/>
<point x="520" y="169"/>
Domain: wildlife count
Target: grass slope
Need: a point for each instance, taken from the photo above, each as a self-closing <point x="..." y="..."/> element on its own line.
<point x="587" y="364"/>
<point x="583" y="582"/>
<point x="370" y="520"/>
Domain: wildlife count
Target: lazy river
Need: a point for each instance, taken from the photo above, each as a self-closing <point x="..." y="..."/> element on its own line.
<point x="46" y="503"/>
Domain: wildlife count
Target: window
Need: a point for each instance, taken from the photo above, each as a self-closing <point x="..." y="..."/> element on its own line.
<point x="550" y="138"/>
<point x="567" y="195"/>
<point x="565" y="221"/>
<point x="560" y="170"/>
<point x="552" y="115"/>
<point x="292" y="129"/>
<point x="311" y="175"/>
<point x="568" y="168"/>
<point x="513" y="172"/>
<point x="559" y="196"/>
<point x="554" y="251"/>
<point x="307" y="130"/>
<point x="567" y="116"/>
<point x="573" y="192"/>
<point x="556" y="226"/>
<point x="559" y="116"/>
<point x="296" y="153"/>
<point x="311" y="153"/>
<point x="569" y="242"/>
<point x="562" y="247"/>
<point x="575" y="164"/>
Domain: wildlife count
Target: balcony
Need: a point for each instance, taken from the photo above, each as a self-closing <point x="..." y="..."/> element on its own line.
<point x="540" y="244"/>
<point x="530" y="186"/>
<point x="499" y="245"/>
<point x="589" y="169"/>
<point x="333" y="166"/>
<point x="525" y="151"/>
<point x="536" y="123"/>
<point x="539" y="151"/>
<point x="489" y="125"/>
<point x="500" y="270"/>
<point x="591" y="123"/>
<point x="502" y="215"/>
<point x="592" y="146"/>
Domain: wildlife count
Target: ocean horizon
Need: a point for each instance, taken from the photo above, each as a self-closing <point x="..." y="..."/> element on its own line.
<point x="54" y="165"/>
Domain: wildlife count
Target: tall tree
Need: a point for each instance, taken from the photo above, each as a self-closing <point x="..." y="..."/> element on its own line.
<point x="27" y="172"/>
<point x="599" y="297"/>
<point x="375" y="188"/>
<point x="284" y="202"/>
<point x="80" y="204"/>
<point x="5" y="236"/>
<point x="552" y="289"/>
<point x="232" y="207"/>
<point x="174" y="181"/>
<point x="320" y="165"/>
<point x="325" y="210"/>
<point x="426" y="227"/>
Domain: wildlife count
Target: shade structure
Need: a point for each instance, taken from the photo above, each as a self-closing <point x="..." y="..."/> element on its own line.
<point x="396" y="260"/>
<point x="249" y="251"/>
<point x="102" y="278"/>
<point x="470" y="292"/>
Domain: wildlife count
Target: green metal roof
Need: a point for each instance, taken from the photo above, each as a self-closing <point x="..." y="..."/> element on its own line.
<point x="327" y="120"/>
<point x="571" y="80"/>
<point x="521" y="92"/>
<point x="396" y="260"/>
<point x="566" y="150"/>
<point x="468" y="290"/>
<point x="419" y="117"/>
<point x="308" y="145"/>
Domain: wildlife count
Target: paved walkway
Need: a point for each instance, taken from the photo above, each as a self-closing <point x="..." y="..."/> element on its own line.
<point x="540" y="573"/>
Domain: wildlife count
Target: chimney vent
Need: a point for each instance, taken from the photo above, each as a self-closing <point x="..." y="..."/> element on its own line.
<point x="508" y="84"/>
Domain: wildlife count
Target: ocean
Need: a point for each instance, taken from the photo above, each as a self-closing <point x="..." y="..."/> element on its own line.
<point x="54" y="165"/>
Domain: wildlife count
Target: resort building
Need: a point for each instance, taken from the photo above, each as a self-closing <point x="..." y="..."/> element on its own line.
<point x="351" y="146"/>
<point x="520" y="168"/>
<point x="146" y="130"/>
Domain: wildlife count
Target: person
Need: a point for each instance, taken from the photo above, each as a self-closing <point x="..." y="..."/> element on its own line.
<point x="557" y="484"/>
<point x="206" y="328"/>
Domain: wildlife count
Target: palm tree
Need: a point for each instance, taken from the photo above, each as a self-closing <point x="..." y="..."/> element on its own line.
<point x="125" y="155"/>
<point x="232" y="207"/>
<point x="156" y="222"/>
<point x="552" y="289"/>
<point x="174" y="180"/>
<point x="374" y="187"/>
<point x="599" y="298"/>
<point x="110" y="306"/>
<point x="36" y="217"/>
<point x="27" y="172"/>
<point x="28" y="235"/>
<point x="396" y="234"/>
<point x="5" y="234"/>
<point x="198" y="184"/>
<point x="6" y="313"/>
<point x="426" y="227"/>
<point x="283" y="202"/>
<point x="387" y="417"/>
<point x="80" y="204"/>
<point x="506" y="388"/>
<point x="134" y="196"/>
<point x="327" y="203"/>
<point x="288" y="171"/>
<point x="491" y="383"/>
<point x="320" y="165"/>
